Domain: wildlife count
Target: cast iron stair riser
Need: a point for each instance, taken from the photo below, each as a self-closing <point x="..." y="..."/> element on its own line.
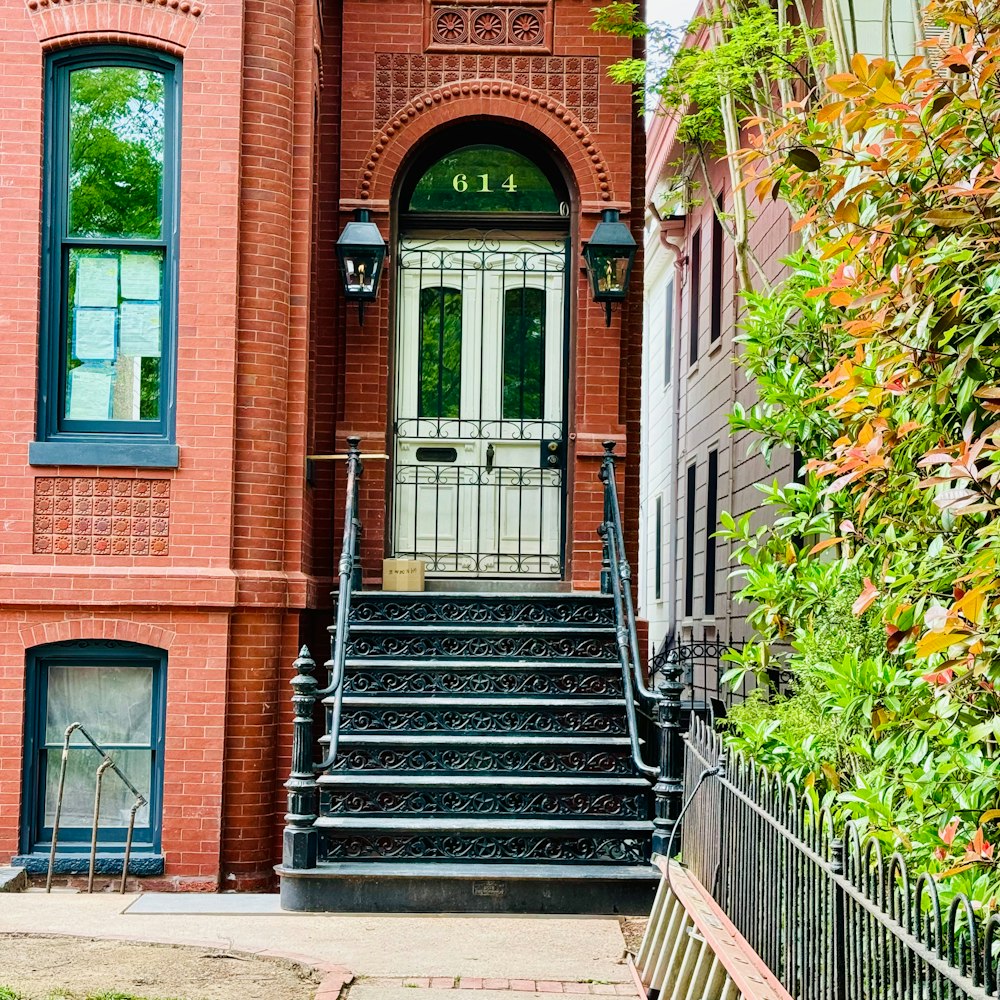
<point x="556" y="678"/>
<point x="484" y="840"/>
<point x="484" y="762"/>
<point x="469" y="714"/>
<point x="484" y="795"/>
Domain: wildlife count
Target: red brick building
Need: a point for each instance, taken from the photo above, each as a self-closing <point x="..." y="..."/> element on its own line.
<point x="174" y="178"/>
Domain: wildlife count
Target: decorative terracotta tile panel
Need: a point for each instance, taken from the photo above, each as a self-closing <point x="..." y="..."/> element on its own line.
<point x="522" y="27"/>
<point x="574" y="81"/>
<point x="101" y="516"/>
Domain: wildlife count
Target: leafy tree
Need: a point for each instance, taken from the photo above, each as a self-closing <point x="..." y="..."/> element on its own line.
<point x="877" y="585"/>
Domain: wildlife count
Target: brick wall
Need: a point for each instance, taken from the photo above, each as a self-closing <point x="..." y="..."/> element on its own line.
<point x="591" y="128"/>
<point x="287" y="128"/>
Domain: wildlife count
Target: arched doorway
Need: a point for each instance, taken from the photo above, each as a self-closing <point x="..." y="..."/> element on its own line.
<point x="479" y="422"/>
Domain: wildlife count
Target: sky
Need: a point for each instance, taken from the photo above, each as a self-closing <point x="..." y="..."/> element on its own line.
<point x="675" y="12"/>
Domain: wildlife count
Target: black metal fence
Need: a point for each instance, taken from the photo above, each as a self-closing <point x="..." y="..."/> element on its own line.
<point x="701" y="666"/>
<point x="832" y="917"/>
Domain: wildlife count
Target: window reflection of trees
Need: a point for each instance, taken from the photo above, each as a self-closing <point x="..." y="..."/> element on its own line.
<point x="116" y="146"/>
<point x="523" y="353"/>
<point x="440" y="352"/>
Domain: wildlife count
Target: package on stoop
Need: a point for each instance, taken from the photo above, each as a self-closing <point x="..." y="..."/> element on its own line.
<point x="403" y="574"/>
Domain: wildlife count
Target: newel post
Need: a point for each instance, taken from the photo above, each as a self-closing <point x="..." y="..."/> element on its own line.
<point x="669" y="787"/>
<point x="301" y="838"/>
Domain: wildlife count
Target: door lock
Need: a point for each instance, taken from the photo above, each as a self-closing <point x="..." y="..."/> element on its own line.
<point x="552" y="454"/>
<point x="490" y="455"/>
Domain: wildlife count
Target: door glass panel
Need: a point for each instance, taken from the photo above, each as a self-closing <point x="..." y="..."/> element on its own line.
<point x="116" y="138"/>
<point x="440" y="352"/>
<point x="523" y="353"/>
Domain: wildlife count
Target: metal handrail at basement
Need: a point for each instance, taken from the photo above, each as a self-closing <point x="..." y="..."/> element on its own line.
<point x="619" y="578"/>
<point x="107" y="763"/>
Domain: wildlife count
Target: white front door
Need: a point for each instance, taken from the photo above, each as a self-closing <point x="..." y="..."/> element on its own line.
<point x="480" y="384"/>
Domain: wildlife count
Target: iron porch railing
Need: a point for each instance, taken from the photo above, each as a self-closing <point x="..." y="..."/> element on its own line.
<point x="333" y="693"/>
<point x="300" y="840"/>
<point x="617" y="577"/>
<point x="829" y="914"/>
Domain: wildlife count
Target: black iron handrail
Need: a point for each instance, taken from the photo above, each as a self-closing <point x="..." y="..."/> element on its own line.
<point x="618" y="578"/>
<point x="107" y="762"/>
<point x="348" y="561"/>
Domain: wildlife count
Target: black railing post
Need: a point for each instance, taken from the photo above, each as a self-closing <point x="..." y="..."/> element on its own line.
<point x="301" y="838"/>
<point x="607" y="476"/>
<point x="838" y="923"/>
<point x="669" y="787"/>
<point x="354" y="461"/>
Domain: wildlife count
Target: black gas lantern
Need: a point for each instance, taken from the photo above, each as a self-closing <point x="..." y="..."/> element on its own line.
<point x="361" y="253"/>
<point x="609" y="256"/>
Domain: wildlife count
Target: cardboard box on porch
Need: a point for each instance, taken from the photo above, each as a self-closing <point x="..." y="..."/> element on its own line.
<point x="403" y="574"/>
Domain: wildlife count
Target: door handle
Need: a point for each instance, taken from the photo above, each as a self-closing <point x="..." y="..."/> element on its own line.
<point x="490" y="454"/>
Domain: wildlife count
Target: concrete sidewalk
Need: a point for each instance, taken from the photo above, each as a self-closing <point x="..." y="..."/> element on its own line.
<point x="386" y="956"/>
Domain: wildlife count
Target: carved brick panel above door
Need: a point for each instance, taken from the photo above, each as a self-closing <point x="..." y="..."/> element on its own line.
<point x="457" y="27"/>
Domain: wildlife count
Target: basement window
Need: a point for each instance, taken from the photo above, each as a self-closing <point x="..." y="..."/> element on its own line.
<point x="117" y="691"/>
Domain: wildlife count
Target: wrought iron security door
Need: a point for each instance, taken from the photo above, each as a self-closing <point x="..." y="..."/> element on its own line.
<point x="480" y="387"/>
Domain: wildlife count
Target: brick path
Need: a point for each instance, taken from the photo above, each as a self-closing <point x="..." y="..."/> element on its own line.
<point x="514" y="985"/>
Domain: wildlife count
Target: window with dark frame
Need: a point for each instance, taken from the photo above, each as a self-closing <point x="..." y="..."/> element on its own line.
<point x="668" y="331"/>
<point x="658" y="547"/>
<point x="718" y="255"/>
<point x="711" y="526"/>
<point x="117" y="690"/>
<point x="689" y="530"/>
<point x="695" y="303"/>
<point x="109" y="256"/>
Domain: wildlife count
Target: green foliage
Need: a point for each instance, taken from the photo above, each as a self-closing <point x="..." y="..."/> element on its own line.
<point x="748" y="52"/>
<point x="875" y="584"/>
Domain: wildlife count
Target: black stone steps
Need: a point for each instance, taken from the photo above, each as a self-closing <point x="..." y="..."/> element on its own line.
<point x="484" y="839"/>
<point x="484" y="763"/>
<point x="558" y="678"/>
<point x="469" y="714"/>
<point x="466" y="887"/>
<point x="574" y="795"/>
<point x="449" y="642"/>
<point x="534" y="755"/>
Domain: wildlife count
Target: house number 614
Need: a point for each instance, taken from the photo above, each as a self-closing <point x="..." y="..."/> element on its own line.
<point x="460" y="182"/>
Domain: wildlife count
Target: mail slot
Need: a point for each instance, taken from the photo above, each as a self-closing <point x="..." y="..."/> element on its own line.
<point x="437" y="455"/>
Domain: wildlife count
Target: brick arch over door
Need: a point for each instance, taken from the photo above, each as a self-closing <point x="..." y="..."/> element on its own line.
<point x="97" y="628"/>
<point x="480" y="99"/>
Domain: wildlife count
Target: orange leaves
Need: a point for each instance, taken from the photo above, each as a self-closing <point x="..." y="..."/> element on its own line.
<point x="979" y="849"/>
<point x="847" y="213"/>
<point x="936" y="642"/>
<point x="868" y="596"/>
<point x="831" y="112"/>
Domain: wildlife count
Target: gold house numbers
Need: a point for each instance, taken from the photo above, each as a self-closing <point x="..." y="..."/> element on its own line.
<point x="460" y="182"/>
<point x="483" y="178"/>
